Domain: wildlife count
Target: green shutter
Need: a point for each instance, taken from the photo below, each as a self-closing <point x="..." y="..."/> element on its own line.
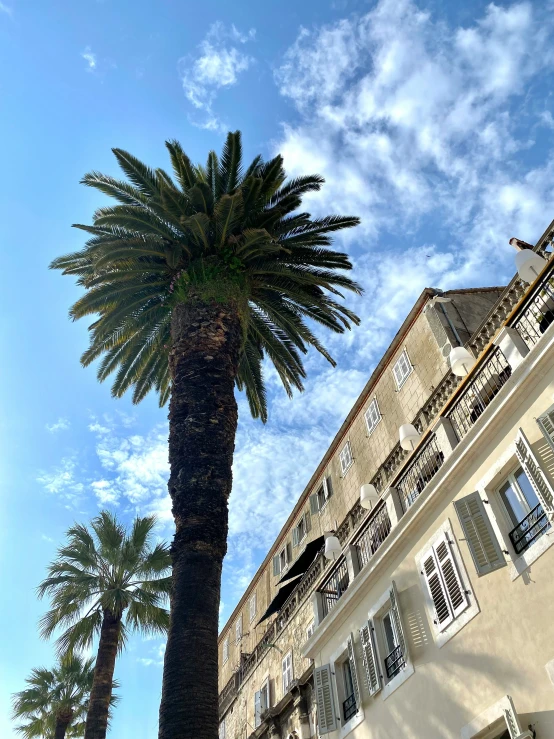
<point x="481" y="539"/>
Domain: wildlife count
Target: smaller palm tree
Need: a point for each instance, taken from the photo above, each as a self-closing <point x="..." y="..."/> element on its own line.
<point x="103" y="584"/>
<point x="54" y="704"/>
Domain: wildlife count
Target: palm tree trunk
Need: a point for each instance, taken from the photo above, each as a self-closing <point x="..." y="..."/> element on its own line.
<point x="101" y="693"/>
<point x="206" y="340"/>
<point x="62" y="722"/>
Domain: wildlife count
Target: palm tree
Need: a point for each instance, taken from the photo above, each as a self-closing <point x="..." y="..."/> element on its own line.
<point x="103" y="584"/>
<point x="55" y="702"/>
<point x="194" y="282"/>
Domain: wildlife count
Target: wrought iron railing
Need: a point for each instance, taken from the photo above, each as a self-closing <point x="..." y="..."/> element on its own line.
<point x="394" y="662"/>
<point x="492" y="373"/>
<point x="537" y="311"/>
<point x="423" y="467"/>
<point x="349" y="707"/>
<point x="529" y="529"/>
<point x="333" y="587"/>
<point x="373" y="534"/>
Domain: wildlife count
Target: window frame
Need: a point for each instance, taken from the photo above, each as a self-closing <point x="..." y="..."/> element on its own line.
<point x="301" y="523"/>
<point x="402" y="356"/>
<point x="225" y="650"/>
<point x="321" y="495"/>
<point x="252" y="611"/>
<point x="310" y="628"/>
<point x="347" y="447"/>
<point x="510" y="478"/>
<point x="375" y="406"/>
<point x="238" y="629"/>
<point x="265" y="687"/>
<point x="286" y="685"/>
<point x="337" y="662"/>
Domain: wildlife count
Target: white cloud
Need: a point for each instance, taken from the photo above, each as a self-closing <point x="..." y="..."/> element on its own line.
<point x="546" y="119"/>
<point x="157" y="659"/>
<point x="62" y="424"/>
<point x="217" y="64"/>
<point x="62" y="481"/>
<point x="90" y="58"/>
<point x="6" y="9"/>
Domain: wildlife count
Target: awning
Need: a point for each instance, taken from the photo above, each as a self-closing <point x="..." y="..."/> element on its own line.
<point x="304" y="560"/>
<point x="279" y="599"/>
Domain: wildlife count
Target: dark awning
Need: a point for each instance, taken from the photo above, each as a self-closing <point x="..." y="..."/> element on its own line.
<point x="304" y="560"/>
<point x="279" y="599"/>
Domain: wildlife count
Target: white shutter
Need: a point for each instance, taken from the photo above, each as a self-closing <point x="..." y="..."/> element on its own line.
<point x="395" y="610"/>
<point x="546" y="425"/>
<point x="326" y="718"/>
<point x="222" y="730"/>
<point x="451" y="578"/>
<point x="354" y="670"/>
<point x="276" y="565"/>
<point x="479" y="534"/>
<point x="314" y="504"/>
<point x="370" y="658"/>
<point x="326" y="489"/>
<point x="537" y="478"/>
<point x="512" y="721"/>
<point x="437" y="590"/>
<point x="257" y="708"/>
<point x="295" y="537"/>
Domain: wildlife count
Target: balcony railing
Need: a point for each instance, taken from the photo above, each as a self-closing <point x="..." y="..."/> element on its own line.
<point x="394" y="662"/>
<point x="537" y="311"/>
<point x="476" y="395"/>
<point x="529" y="529"/>
<point x="333" y="587"/>
<point x="423" y="467"/>
<point x="349" y="707"/>
<point x="373" y="534"/>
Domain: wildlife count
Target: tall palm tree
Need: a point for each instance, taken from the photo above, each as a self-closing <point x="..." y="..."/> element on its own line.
<point x="54" y="704"/>
<point x="194" y="282"/>
<point x="103" y="584"/>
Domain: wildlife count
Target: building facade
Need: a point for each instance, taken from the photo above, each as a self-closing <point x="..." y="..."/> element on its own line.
<point x="433" y="620"/>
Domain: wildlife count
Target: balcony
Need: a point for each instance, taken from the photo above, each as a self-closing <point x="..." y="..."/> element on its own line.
<point x="334" y="587"/>
<point x="373" y="534"/>
<point x="349" y="707"/>
<point x="394" y="662"/>
<point x="424" y="465"/>
<point x="484" y="383"/>
<point x="536" y="313"/>
<point x="529" y="529"/>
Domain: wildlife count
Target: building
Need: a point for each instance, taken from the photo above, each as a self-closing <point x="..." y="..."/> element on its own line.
<point x="434" y="619"/>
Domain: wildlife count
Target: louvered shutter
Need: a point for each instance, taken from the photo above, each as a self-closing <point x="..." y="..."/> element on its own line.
<point x="308" y="522"/>
<point x="451" y="578"/>
<point x="537" y="478"/>
<point x="481" y="539"/>
<point x="437" y="590"/>
<point x="326" y="718"/>
<point x="276" y="565"/>
<point x="314" y="504"/>
<point x="512" y="721"/>
<point x="295" y="536"/>
<point x="257" y="708"/>
<point x="354" y="670"/>
<point x="370" y="658"/>
<point x="546" y="425"/>
<point x="395" y="610"/>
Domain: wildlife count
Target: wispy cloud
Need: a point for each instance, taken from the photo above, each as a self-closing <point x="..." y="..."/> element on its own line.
<point x="218" y="63"/>
<point x="157" y="658"/>
<point x="6" y="9"/>
<point x="63" y="481"/>
<point x="90" y="58"/>
<point x="62" y="424"/>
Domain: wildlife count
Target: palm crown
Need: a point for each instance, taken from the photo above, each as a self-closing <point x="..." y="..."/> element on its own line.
<point x="106" y="571"/>
<point x="217" y="231"/>
<point x="60" y="692"/>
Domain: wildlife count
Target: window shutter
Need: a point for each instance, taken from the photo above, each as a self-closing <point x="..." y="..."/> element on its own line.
<point x="395" y="609"/>
<point x="257" y="708"/>
<point x="437" y="591"/>
<point x="295" y="536"/>
<point x="314" y="505"/>
<point x="308" y="522"/>
<point x="546" y="425"/>
<point x="370" y="658"/>
<point x="326" y="718"/>
<point x="222" y="730"/>
<point x="479" y="534"/>
<point x="451" y="578"/>
<point x="512" y="721"/>
<point x="354" y="670"/>
<point x="328" y="486"/>
<point x="536" y="476"/>
<point x="264" y="698"/>
<point x="276" y="565"/>
<point x="289" y="552"/>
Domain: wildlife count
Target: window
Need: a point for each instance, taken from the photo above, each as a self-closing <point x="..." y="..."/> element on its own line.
<point x="345" y="458"/>
<point x="287" y="671"/>
<point x="222" y="729"/>
<point x="310" y="629"/>
<point x="318" y="500"/>
<point x="372" y="416"/>
<point x="300" y="531"/>
<point x="281" y="561"/>
<point x="402" y="369"/>
<point x="527" y="518"/>
<point x="264" y="693"/>
<point x="261" y="702"/>
<point x="238" y="630"/>
<point x="252" y="607"/>
<point x="225" y="650"/>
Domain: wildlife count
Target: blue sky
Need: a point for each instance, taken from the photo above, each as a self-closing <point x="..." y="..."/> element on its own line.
<point x="434" y="122"/>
